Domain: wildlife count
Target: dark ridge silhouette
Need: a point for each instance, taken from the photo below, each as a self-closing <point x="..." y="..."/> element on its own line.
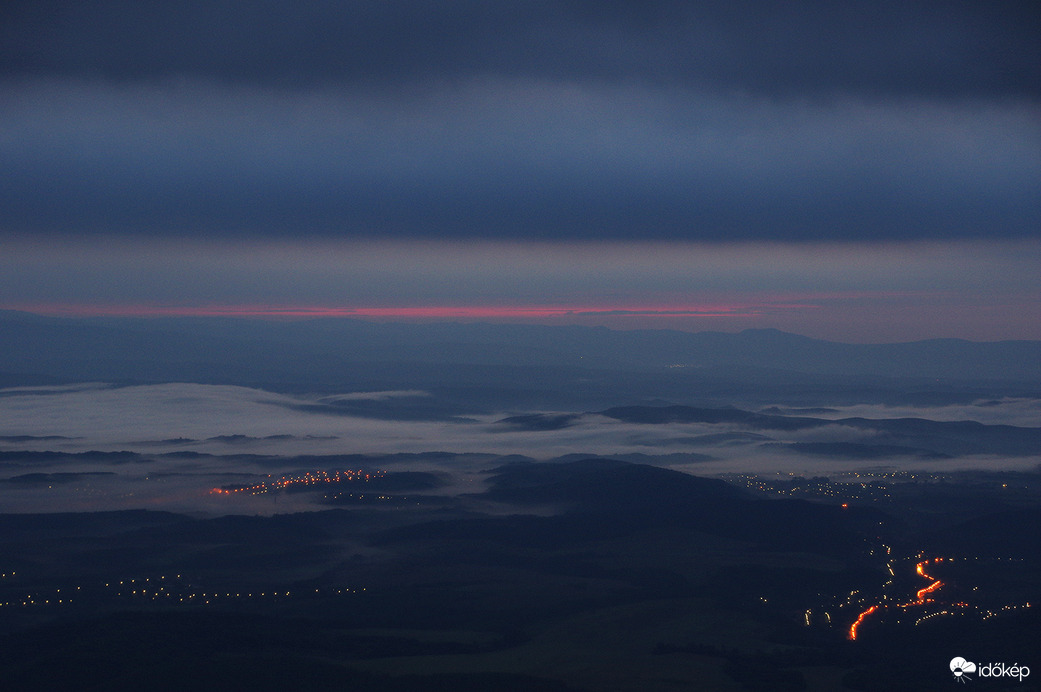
<point x="49" y="478"/>
<point x="727" y="438"/>
<point x="596" y="483"/>
<point x="603" y="498"/>
<point x="640" y="458"/>
<point x="690" y="414"/>
<point x="798" y="411"/>
<point x="540" y="421"/>
<point x="1012" y="533"/>
<point x="853" y="450"/>
<point x="938" y="437"/>
<point x="92" y="455"/>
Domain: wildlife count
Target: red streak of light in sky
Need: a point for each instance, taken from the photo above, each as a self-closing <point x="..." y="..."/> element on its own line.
<point x="415" y="312"/>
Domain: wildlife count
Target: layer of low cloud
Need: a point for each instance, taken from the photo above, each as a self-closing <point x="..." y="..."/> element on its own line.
<point x="209" y="418"/>
<point x="245" y="434"/>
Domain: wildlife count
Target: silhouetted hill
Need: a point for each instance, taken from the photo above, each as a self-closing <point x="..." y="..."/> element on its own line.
<point x="641" y="571"/>
<point x="1013" y="533"/>
<point x="53" y="478"/>
<point x="91" y="455"/>
<point x="605" y="485"/>
<point x="605" y="499"/>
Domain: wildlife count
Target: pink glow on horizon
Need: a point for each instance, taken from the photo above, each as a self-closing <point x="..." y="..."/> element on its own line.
<point x="404" y="313"/>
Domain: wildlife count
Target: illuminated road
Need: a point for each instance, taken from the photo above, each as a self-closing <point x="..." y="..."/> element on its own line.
<point x="921" y="597"/>
<point x="860" y="619"/>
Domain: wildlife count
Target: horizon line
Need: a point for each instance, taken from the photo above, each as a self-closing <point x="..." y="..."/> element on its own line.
<point x="266" y="310"/>
<point x="534" y="315"/>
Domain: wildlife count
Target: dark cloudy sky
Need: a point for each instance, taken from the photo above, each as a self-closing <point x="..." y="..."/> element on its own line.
<point x="855" y="170"/>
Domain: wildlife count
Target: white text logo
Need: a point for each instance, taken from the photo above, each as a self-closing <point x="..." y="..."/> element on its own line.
<point x="962" y="669"/>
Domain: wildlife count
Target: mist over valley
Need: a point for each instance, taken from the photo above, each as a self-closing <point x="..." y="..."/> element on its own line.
<point x="434" y="510"/>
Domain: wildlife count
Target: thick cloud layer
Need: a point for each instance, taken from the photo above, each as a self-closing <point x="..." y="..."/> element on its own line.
<point x="779" y="49"/>
<point x="558" y="121"/>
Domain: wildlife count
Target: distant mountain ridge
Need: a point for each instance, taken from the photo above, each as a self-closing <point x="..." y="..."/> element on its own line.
<point x="26" y="338"/>
<point x="495" y="367"/>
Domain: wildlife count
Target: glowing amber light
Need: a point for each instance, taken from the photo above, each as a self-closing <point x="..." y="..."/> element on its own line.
<point x="920" y="596"/>
<point x="860" y="619"/>
<point x="929" y="589"/>
<point x="920" y="568"/>
<point x="308" y="478"/>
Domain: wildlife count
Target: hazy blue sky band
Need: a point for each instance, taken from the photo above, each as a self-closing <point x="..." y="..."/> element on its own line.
<point x="555" y="121"/>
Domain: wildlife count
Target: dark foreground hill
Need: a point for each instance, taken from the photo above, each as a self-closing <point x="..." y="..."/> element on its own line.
<point x="584" y="575"/>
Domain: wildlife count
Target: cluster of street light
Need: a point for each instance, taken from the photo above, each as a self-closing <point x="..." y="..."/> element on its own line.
<point x="307" y="479"/>
<point x="869" y="486"/>
<point x="173" y="590"/>
<point x="791" y="485"/>
<point x="925" y="598"/>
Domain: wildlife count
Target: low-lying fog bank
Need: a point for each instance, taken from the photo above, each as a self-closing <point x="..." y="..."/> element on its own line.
<point x="169" y="446"/>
